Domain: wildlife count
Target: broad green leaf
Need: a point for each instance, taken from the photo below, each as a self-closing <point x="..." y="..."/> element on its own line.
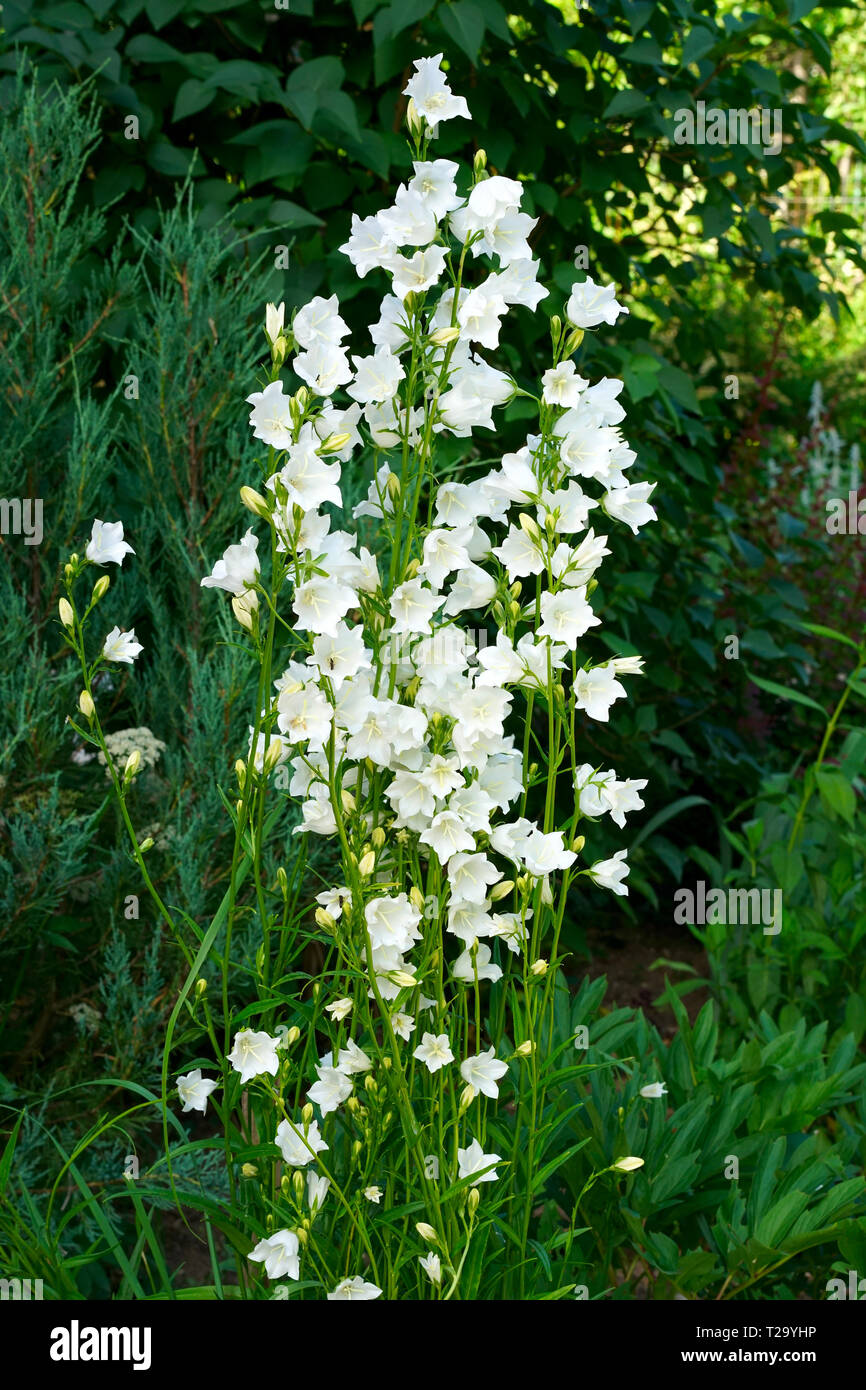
<point x="464" y="23"/>
<point x="785" y="692"/>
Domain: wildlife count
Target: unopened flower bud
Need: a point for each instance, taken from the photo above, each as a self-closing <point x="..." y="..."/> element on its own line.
<point x="146" y="845"/>
<point x="100" y="588"/>
<point x="307" y="1114"/>
<point x="241" y="772"/>
<point x="282" y="881"/>
<point x="413" y="120"/>
<point x="272" y="756"/>
<point x="516" y="589"/>
<point x="555" y="329"/>
<point x="303" y="1232"/>
<point x="353" y="1105"/>
<point x="249" y="1170"/>
<point x="530" y="526"/>
<point x="403" y="979"/>
<point x="467" y="1095"/>
<point x="254" y="502"/>
<point x="325" y="920"/>
<point x="573" y="342"/>
<point x="275" y="318"/>
<point x="474" y="1199"/>
<point x="427" y="1232"/>
<point x="292" y="1036"/>
<point x="479" y="163"/>
<point x="539" y="967"/>
<point x="416" y="897"/>
<point x="628" y="1165"/>
<point x="366" y="864"/>
<point x="200" y="988"/>
<point x="334" y="443"/>
<point x="302" y="397"/>
<point x="86" y="705"/>
<point x="578" y="843"/>
<point x="501" y="890"/>
<point x="378" y="838"/>
<point x="443" y="336"/>
<point x="67" y="617"/>
<point x="245" y="606"/>
<point x="393" y="486"/>
<point x="133" y="763"/>
<point x="298" y="1182"/>
<point x="370" y="1085"/>
<point x="348" y="800"/>
<point x="514" y="610"/>
<point x="356" y="1149"/>
<point x="526" y="1048"/>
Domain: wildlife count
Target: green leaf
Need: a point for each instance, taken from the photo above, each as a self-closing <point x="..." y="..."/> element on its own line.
<point x="404" y="13"/>
<point x="699" y="41"/>
<point x="821" y="631"/>
<point x="168" y="159"/>
<point x="192" y="96"/>
<point x="784" y="692"/>
<point x="837" y="793"/>
<point x="8" y="1154"/>
<point x="464" y="23"/>
<point x="159" y="12"/>
<point x="146" y="48"/>
<point x="308" y="84"/>
<point x="626" y="103"/>
<point x="288" y="214"/>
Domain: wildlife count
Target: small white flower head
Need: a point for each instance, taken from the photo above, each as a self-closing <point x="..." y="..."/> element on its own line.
<point x="434" y="1051"/>
<point x="279" y="1254"/>
<point x="562" y="385"/>
<point x="340" y="1009"/>
<point x="254" y="1054"/>
<point x="590" y="304"/>
<point x="373" y="1194"/>
<point x="299" y="1144"/>
<point x="355" y="1290"/>
<point x="610" y="873"/>
<point x="432" y="97"/>
<point x="484" y="1072"/>
<point x="238" y="569"/>
<point x="432" y="1267"/>
<point x="403" y="1025"/>
<point x="473" y="1160"/>
<point x="317" y="1190"/>
<point x="121" y="646"/>
<point x="352" y="1059"/>
<point x="194" y="1089"/>
<point x="106" y="545"/>
<point x="654" y="1091"/>
<point x="331" y="1090"/>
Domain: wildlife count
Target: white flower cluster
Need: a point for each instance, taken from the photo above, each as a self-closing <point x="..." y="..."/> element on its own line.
<point x="391" y="718"/>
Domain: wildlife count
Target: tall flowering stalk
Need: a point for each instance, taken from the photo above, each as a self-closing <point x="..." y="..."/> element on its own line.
<point x="386" y="1121"/>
